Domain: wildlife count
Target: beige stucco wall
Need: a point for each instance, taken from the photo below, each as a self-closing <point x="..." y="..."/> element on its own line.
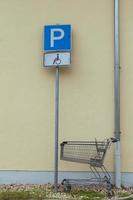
<point x="86" y="88"/>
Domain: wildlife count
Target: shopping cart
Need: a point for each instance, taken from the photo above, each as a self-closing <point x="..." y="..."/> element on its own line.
<point x="91" y="153"/>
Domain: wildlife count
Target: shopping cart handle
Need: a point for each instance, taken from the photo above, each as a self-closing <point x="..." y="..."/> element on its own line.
<point x="114" y="140"/>
<point x="63" y="143"/>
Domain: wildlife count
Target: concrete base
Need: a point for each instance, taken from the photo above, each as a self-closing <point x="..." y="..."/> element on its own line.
<point x="42" y="177"/>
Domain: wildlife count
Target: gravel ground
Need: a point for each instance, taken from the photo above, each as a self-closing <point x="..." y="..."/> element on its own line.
<point x="36" y="190"/>
<point x="120" y="194"/>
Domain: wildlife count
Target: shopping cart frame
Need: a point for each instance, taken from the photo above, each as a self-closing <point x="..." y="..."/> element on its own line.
<point x="91" y="153"/>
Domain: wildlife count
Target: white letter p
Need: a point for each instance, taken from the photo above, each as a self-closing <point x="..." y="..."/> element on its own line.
<point x="53" y="37"/>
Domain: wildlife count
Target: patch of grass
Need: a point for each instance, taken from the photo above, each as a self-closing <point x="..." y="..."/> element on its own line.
<point x="14" y="195"/>
<point x="90" y="195"/>
<point x="42" y="194"/>
<point x="123" y="194"/>
<point x="23" y="195"/>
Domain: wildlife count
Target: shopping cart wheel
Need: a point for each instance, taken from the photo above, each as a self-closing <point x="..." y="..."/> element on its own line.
<point x="110" y="194"/>
<point x="66" y="185"/>
<point x="67" y="188"/>
<point x="109" y="186"/>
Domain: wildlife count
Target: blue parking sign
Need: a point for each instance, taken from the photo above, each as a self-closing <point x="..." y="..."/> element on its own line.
<point x="57" y="37"/>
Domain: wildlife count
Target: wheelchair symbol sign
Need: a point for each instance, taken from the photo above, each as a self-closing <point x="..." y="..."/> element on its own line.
<point x="57" y="59"/>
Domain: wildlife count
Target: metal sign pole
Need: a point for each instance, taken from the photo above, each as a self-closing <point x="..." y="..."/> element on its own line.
<point x="57" y="49"/>
<point x="56" y="128"/>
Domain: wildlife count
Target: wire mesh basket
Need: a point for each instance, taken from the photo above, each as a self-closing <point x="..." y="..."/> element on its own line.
<point x="92" y="152"/>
